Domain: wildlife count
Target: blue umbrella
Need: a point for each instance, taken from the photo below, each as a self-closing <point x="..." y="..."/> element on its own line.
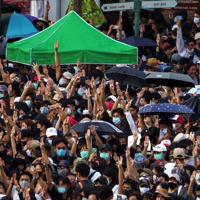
<point x="138" y="42"/>
<point x="165" y="108"/>
<point x="16" y="25"/>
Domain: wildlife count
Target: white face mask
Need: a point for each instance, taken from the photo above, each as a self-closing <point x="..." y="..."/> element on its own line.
<point x="141" y="178"/>
<point x="190" y="51"/>
<point x="154" y="178"/>
<point x="196" y="20"/>
<point x="174" y="127"/>
<point x="85" y="112"/>
<point x="148" y="126"/>
<point x="143" y="190"/>
<point x="62" y="81"/>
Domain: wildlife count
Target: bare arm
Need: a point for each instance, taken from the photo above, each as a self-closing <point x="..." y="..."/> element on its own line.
<point x="88" y="142"/>
<point x="94" y="133"/>
<point x="74" y="146"/>
<point x="47" y="11"/>
<point x="57" y="61"/>
<point x="120" y="175"/>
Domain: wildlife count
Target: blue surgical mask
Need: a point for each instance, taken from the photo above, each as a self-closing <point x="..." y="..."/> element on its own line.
<point x="84" y="154"/>
<point x="20" y="116"/>
<point x="44" y="110"/>
<point x="1" y="96"/>
<point x="80" y="93"/>
<point x="50" y="142"/>
<point x="61" y="190"/>
<point x="35" y="85"/>
<point x="28" y="103"/>
<point x="2" y="117"/>
<point x="79" y="111"/>
<point x="69" y="111"/>
<point x="158" y="156"/>
<point x="116" y="120"/>
<point x="62" y="172"/>
<point x="61" y="152"/>
<point x="97" y="83"/>
<point x="104" y="156"/>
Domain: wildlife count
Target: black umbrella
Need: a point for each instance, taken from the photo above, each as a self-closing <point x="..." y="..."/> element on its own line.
<point x="101" y="127"/>
<point x="165" y="108"/>
<point x="127" y="76"/>
<point x="10" y="8"/>
<point x="170" y="79"/>
<point x="138" y="42"/>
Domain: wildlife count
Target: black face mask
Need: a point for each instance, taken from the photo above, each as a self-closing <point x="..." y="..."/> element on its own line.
<point x="2" y="154"/>
<point x="126" y="192"/>
<point x="23" y="143"/>
<point x="19" y="161"/>
<point x="40" y="27"/>
<point x="37" y="131"/>
<point x="124" y="146"/>
<point x="190" y="152"/>
<point x="172" y="185"/>
<point x="97" y="188"/>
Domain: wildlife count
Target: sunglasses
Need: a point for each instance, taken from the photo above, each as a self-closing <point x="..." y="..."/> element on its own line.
<point x="190" y="45"/>
<point x="167" y="48"/>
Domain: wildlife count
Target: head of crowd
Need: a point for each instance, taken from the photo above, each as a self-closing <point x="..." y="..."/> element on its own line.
<point x="67" y="132"/>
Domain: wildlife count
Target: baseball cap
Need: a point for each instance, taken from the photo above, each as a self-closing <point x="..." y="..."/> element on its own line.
<point x="166" y="44"/>
<point x="176" y="57"/>
<point x="102" y="180"/>
<point x="197" y="36"/>
<point x="148" y="171"/>
<point x="111" y="97"/>
<point x="35" y="78"/>
<point x="3" y="88"/>
<point x="51" y="132"/>
<point x="68" y="75"/>
<point x="163" y="192"/>
<point x="179" y="153"/>
<point x="106" y="147"/>
<point x="34" y="144"/>
<point x="144" y="182"/>
<point x="160" y="148"/>
<point x="167" y="143"/>
<point x="16" y="100"/>
<point x="175" y="176"/>
<point x="180" y="136"/>
<point x="78" y="161"/>
<point x="63" y="163"/>
<point x="178" y="118"/>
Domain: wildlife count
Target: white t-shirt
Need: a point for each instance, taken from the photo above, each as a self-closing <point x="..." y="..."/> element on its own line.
<point x="15" y="195"/>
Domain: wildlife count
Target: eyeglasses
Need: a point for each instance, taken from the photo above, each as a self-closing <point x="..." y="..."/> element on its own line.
<point x="167" y="48"/>
<point x="144" y="175"/>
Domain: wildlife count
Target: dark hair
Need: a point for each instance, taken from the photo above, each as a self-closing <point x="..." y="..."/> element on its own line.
<point x="27" y="174"/>
<point x="165" y="176"/>
<point x="184" y="61"/>
<point x="197" y="188"/>
<point x="190" y="65"/>
<point x="147" y="96"/>
<point x="43" y="122"/>
<point x="132" y="92"/>
<point x="102" y="164"/>
<point x="83" y="169"/>
<point x="163" y="185"/>
<point x="110" y="172"/>
<point x="32" y="97"/>
<point x="198" y="167"/>
<point x="118" y="110"/>
<point x="29" y="122"/>
<point x="159" y="169"/>
<point x="137" y="194"/>
<point x="197" y="12"/>
<point x="156" y="95"/>
<point x="65" y="180"/>
<point x="178" y="198"/>
<point x="190" y="168"/>
<point x="58" y="140"/>
<point x="104" y="192"/>
<point x="132" y="183"/>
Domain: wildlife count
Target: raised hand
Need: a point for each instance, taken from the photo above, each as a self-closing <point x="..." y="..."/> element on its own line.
<point x="56" y="45"/>
<point x="93" y="131"/>
<point x="180" y="166"/>
<point x="79" y="66"/>
<point x="128" y="152"/>
<point x="48" y="7"/>
<point x="158" y="39"/>
<point x="135" y="136"/>
<point x="142" y="29"/>
<point x="87" y="135"/>
<point x="35" y="67"/>
<point x="146" y="141"/>
<point x="42" y="143"/>
<point x="128" y="105"/>
<point x="178" y="22"/>
<point x="74" y="134"/>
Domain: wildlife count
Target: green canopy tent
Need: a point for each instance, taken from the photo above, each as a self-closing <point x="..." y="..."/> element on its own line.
<point x="77" y="40"/>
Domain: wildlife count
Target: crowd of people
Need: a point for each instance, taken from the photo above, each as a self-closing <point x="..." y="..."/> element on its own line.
<point x="151" y="156"/>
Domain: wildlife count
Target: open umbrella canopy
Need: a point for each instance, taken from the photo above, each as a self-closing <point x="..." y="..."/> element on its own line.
<point x="15" y="26"/>
<point x="101" y="127"/>
<point x="165" y="108"/>
<point x="170" y="79"/>
<point x="127" y="76"/>
<point x="10" y="8"/>
<point x="138" y="41"/>
<point x="89" y="45"/>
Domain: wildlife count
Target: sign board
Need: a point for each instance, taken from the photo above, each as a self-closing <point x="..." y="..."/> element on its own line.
<point x="145" y="5"/>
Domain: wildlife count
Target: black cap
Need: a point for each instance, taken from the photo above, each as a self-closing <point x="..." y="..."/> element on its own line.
<point x="144" y="133"/>
<point x="102" y="180"/>
<point x="197" y="133"/>
<point x="144" y="182"/>
<point x="106" y="147"/>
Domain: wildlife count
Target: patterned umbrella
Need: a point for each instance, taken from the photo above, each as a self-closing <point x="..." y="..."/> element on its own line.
<point x="165" y="108"/>
<point x="15" y="26"/>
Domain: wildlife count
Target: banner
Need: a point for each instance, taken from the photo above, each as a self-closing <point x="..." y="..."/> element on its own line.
<point x="23" y="4"/>
<point x="90" y="11"/>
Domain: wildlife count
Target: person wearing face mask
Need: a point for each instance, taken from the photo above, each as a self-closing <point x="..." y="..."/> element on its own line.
<point x="65" y="79"/>
<point x="24" y="182"/>
<point x="51" y="133"/>
<point x="174" y="181"/>
<point x="159" y="154"/>
<point x="63" y="168"/>
<point x="177" y="125"/>
<point x="106" y="153"/>
<point x="197" y="19"/>
<point x="188" y="50"/>
<point x="144" y="186"/>
<point x="40" y="24"/>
